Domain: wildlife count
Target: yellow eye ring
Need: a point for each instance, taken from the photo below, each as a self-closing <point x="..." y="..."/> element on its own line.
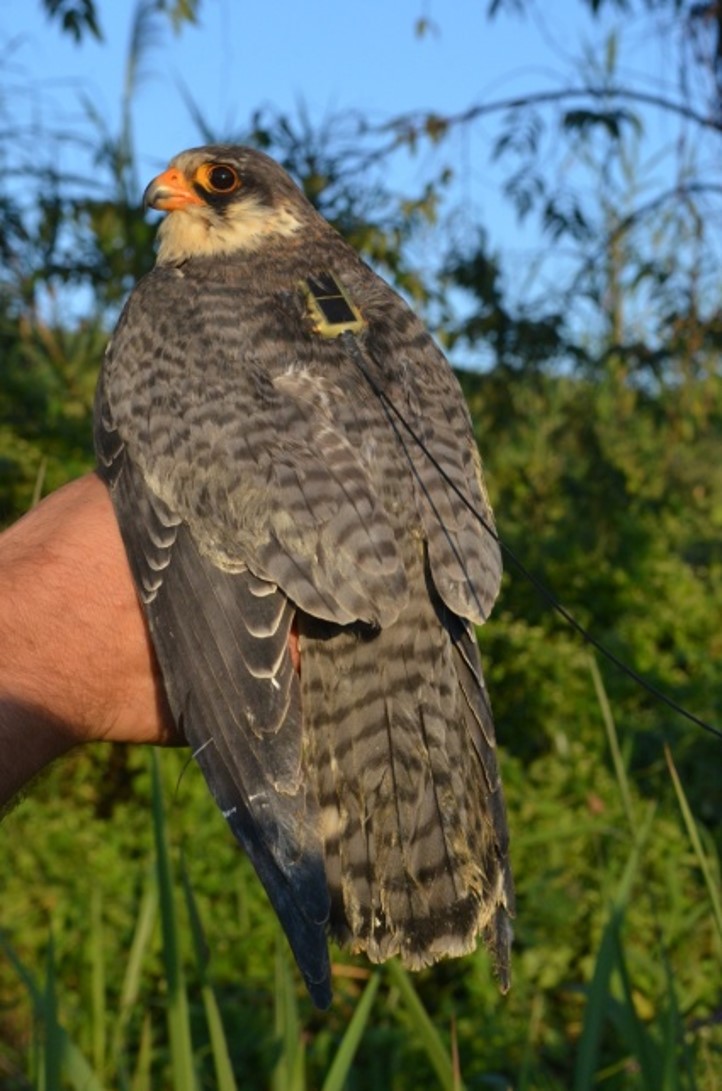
<point x="220" y="178"/>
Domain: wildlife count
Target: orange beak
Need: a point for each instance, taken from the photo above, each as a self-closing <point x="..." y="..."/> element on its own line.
<point x="170" y="191"/>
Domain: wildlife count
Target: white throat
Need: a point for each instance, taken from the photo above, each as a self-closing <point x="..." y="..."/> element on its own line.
<point x="198" y="231"/>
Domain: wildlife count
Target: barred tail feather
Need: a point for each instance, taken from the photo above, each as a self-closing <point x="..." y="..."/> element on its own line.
<point x="398" y="732"/>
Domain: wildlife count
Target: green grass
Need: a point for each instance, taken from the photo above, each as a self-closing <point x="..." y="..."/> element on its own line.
<point x="138" y="951"/>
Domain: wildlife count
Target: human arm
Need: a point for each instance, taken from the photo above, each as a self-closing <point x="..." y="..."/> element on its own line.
<point x="76" y="662"/>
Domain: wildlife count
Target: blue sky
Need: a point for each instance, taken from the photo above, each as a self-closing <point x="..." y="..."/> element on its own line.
<point x="331" y="57"/>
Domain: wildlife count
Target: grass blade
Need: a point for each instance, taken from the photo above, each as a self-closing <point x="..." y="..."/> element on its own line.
<point x="142" y="1076"/>
<point x="58" y="1055"/>
<point x="526" y="1072"/>
<point x="595" y="1010"/>
<point x="39" y="483"/>
<point x="23" y="973"/>
<point x="636" y="1034"/>
<point x="346" y="1052"/>
<point x="52" y="1053"/>
<point x="177" y="1011"/>
<point x="130" y="988"/>
<point x="427" y="1032"/>
<point x="289" y="1073"/>
<point x="613" y="740"/>
<point x="672" y="1065"/>
<point x="694" y="837"/>
<point x="76" y="1069"/>
<point x="598" y="992"/>
<point x="225" y="1080"/>
<point x="97" y="981"/>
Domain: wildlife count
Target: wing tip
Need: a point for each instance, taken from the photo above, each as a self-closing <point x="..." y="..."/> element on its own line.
<point x="320" y="992"/>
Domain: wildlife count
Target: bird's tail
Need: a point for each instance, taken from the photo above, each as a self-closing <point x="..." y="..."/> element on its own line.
<point x="399" y="735"/>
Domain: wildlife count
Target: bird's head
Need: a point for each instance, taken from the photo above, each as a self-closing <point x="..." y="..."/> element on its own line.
<point x="223" y="199"/>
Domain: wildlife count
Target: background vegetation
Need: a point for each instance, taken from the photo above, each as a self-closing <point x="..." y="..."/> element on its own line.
<point x="137" y="950"/>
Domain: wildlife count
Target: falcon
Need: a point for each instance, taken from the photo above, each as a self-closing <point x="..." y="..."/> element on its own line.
<point x="293" y="472"/>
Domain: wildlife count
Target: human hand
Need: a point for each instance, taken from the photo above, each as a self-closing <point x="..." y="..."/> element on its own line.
<point x="76" y="661"/>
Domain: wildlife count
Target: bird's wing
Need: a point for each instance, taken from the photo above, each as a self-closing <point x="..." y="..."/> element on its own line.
<point x="435" y="449"/>
<point x="234" y="429"/>
<point x="262" y="440"/>
<point x="221" y="639"/>
<point x="464" y="552"/>
<point x="424" y="405"/>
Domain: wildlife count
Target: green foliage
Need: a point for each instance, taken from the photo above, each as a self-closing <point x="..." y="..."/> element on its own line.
<point x="139" y="952"/>
<point x="616" y="964"/>
<point x="634" y="475"/>
<point x="46" y="396"/>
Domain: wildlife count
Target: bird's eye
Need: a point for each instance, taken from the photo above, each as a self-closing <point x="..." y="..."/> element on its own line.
<point x="220" y="178"/>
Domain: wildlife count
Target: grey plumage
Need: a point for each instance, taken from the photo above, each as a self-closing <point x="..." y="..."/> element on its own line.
<point x="263" y="484"/>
